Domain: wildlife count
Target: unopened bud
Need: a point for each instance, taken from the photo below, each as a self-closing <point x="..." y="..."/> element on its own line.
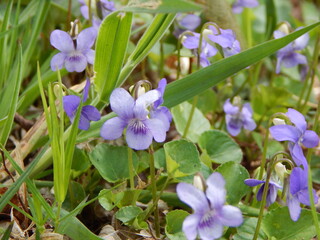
<point x="278" y="121"/>
<point x="198" y="182"/>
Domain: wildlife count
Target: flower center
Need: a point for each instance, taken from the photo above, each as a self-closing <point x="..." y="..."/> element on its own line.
<point x="207" y="219"/>
<point x="137" y="126"/>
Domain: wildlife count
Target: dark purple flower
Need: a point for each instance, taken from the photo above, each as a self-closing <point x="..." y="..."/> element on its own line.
<point x="75" y="53"/>
<point x="134" y="115"/>
<point x="237" y="117"/>
<point x="161" y="112"/>
<point x="296" y="135"/>
<point x="238" y="5"/>
<point x="272" y="189"/>
<point x="298" y="192"/>
<point x="210" y="213"/>
<point x="287" y="56"/>
<point x="88" y="113"/>
<point x="207" y="50"/>
<point x="226" y="38"/>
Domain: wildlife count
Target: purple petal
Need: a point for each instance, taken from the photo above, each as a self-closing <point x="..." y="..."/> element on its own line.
<point x="157" y="129"/>
<point x="85" y="11"/>
<point x="279" y="60"/>
<point x="224" y="39"/>
<point x="310" y="139"/>
<point x="233" y="125"/>
<point x="216" y="192"/>
<point x="260" y="192"/>
<point x="86" y="90"/>
<point x="191" y="42"/>
<point x="272" y="194"/>
<point x="193" y="197"/>
<point x="249" y="3"/>
<point x="190" y="22"/>
<point x="61" y="41"/>
<point x="91" y="113"/>
<point x="57" y="61"/>
<point x="138" y="136"/>
<point x="285" y="133"/>
<point x="163" y="114"/>
<point x="298" y="180"/>
<point x="122" y="103"/>
<point x="70" y="105"/>
<point x="235" y="49"/>
<point x="89" y="54"/>
<point x="297" y="119"/>
<point x="253" y="182"/>
<point x="237" y="8"/>
<point x="301" y="42"/>
<point x="278" y="34"/>
<point x="231" y="216"/>
<point x="76" y="62"/>
<point x="144" y="101"/>
<point x="204" y="62"/>
<point x="86" y="38"/>
<point x="303" y="196"/>
<point x="190" y="226"/>
<point x="112" y="128"/>
<point x="294" y="208"/>
<point x="298" y="156"/>
<point x="293" y="59"/>
<point x="229" y="108"/>
<point x="84" y="123"/>
<point x="211" y="230"/>
<point x="161" y="87"/>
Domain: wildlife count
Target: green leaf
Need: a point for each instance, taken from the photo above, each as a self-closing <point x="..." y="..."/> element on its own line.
<point x="271" y="15"/>
<point x="111" y="47"/>
<point x="247" y="229"/>
<point x="161" y="6"/>
<point x="109" y="200"/>
<point x="80" y="163"/>
<point x="219" y="147"/>
<point x="128" y="213"/>
<point x="112" y="161"/>
<point x="182" y="158"/>
<point x="234" y="174"/>
<point x="197" y="82"/>
<point x="174" y="220"/>
<point x="152" y="35"/>
<point x="198" y="125"/>
<point x="279" y="225"/>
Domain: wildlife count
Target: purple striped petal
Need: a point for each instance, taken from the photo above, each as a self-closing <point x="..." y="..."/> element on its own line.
<point x="210" y="230"/>
<point x="76" y="62"/>
<point x="138" y="136"/>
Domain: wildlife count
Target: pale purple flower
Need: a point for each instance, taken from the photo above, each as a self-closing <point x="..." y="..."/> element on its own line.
<point x="134" y="115"/>
<point x="238" y="5"/>
<point x="210" y="213"/>
<point x="238" y="117"/>
<point x="161" y="112"/>
<point x="288" y="56"/>
<point x="88" y="113"/>
<point x="272" y="189"/>
<point x="186" y="22"/>
<point x="75" y="53"/>
<point x="226" y="38"/>
<point x="298" y="192"/>
<point x="207" y="50"/>
<point x="296" y="135"/>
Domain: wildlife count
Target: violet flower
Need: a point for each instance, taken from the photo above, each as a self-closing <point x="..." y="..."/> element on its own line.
<point x="210" y="212"/>
<point x="88" y="113"/>
<point x="272" y="189"/>
<point x="161" y="112"/>
<point x="288" y="57"/>
<point x="75" y="53"/>
<point x="238" y="5"/>
<point x="237" y="117"/>
<point x="207" y="50"/>
<point x="298" y="192"/>
<point x="186" y="22"/>
<point x="296" y="135"/>
<point x="226" y="38"/>
<point x="134" y="115"/>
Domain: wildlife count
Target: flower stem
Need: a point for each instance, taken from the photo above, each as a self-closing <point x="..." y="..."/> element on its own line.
<point x="309" y="154"/>
<point x="154" y="192"/>
<point x="194" y="104"/>
<point x="131" y="169"/>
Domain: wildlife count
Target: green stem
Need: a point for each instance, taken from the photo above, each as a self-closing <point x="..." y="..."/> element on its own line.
<point x="131" y="169"/>
<point x="246" y="25"/>
<point x="309" y="154"/>
<point x="194" y="104"/>
<point x="154" y="192"/>
<point x="161" y="72"/>
<point x="311" y="71"/>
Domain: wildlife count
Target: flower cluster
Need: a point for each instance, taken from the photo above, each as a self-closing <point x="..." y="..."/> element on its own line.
<point x="88" y="113"/>
<point x="238" y="5"/>
<point x="289" y="57"/>
<point x="225" y="38"/>
<point x="238" y="117"/>
<point x="75" y="53"/>
<point x="210" y="212"/>
<point x="143" y="117"/>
